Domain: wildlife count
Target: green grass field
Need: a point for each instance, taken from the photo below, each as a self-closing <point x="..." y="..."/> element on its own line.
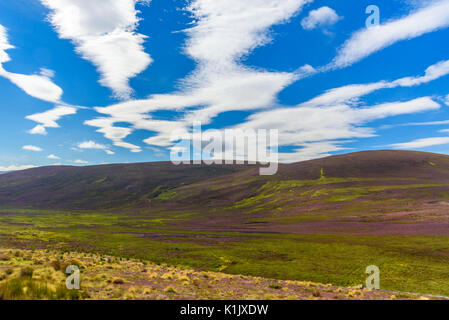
<point x="411" y="264"/>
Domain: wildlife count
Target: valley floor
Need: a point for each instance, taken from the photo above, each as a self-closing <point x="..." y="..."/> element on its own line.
<point x="39" y="274"/>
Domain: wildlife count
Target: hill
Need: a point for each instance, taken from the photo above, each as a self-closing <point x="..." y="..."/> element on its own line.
<point x="136" y="185"/>
<point x="103" y="186"/>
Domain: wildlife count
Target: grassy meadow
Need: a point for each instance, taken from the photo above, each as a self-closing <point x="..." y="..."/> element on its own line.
<point x="409" y="264"/>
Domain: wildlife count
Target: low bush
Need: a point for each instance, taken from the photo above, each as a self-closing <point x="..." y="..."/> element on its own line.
<point x="26" y="272"/>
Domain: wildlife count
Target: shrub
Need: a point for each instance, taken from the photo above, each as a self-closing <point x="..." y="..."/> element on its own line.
<point x="184" y="278"/>
<point x="27" y="272"/>
<point x="118" y="281"/>
<point x="75" y="262"/>
<point x="62" y="293"/>
<point x="170" y="289"/>
<point x="274" y="286"/>
<point x="316" y="293"/>
<point x="4" y="257"/>
<point x="56" y="264"/>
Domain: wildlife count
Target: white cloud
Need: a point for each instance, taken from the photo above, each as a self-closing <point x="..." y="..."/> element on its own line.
<point x="53" y="157"/>
<point x="368" y="41"/>
<point x="4" y="45"/>
<point x="447" y="100"/>
<point x="32" y="148"/>
<point x="351" y="94"/>
<point x="39" y="129"/>
<point x="37" y="86"/>
<point x="16" y="168"/>
<point x="48" y="118"/>
<point x="223" y="33"/>
<point x="103" y="33"/>
<point x="318" y="130"/>
<point x="79" y="161"/>
<point x="421" y="143"/>
<point x="115" y="134"/>
<point x="94" y="145"/>
<point x="432" y="73"/>
<point x="226" y="30"/>
<point x="91" y="145"/>
<point x="321" y="17"/>
<point x="47" y="73"/>
<point x="429" y="123"/>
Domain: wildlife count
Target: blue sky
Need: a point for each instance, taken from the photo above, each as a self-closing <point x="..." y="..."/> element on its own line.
<point x="90" y="82"/>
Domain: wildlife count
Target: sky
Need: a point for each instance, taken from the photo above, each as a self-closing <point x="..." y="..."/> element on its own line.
<point x="91" y="82"/>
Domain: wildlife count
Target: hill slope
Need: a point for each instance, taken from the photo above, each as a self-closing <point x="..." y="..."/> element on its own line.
<point x="135" y="185"/>
<point x="103" y="186"/>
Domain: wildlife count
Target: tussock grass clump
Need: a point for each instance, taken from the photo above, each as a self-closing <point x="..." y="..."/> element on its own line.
<point x="26" y="289"/>
<point x="170" y="289"/>
<point x="316" y="293"/>
<point x="183" y="278"/>
<point x="4" y="257"/>
<point x="61" y="265"/>
<point x="118" y="281"/>
<point x="74" y="262"/>
<point x="275" y="286"/>
<point x="56" y="264"/>
<point x="26" y="272"/>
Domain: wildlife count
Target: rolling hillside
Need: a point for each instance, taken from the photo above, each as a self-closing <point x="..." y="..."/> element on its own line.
<point x="104" y="186"/>
<point x="329" y="195"/>
<point x="135" y="185"/>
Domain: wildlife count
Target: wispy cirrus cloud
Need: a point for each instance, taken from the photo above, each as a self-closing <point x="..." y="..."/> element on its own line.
<point x="363" y="43"/>
<point x="329" y="126"/>
<point x="350" y="94"/>
<point x="421" y="143"/>
<point x="39" y="86"/>
<point x="324" y="123"/>
<point x="48" y="118"/>
<point x="224" y="31"/>
<point x="104" y="33"/>
<point x="221" y="84"/>
<point x="432" y="73"/>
